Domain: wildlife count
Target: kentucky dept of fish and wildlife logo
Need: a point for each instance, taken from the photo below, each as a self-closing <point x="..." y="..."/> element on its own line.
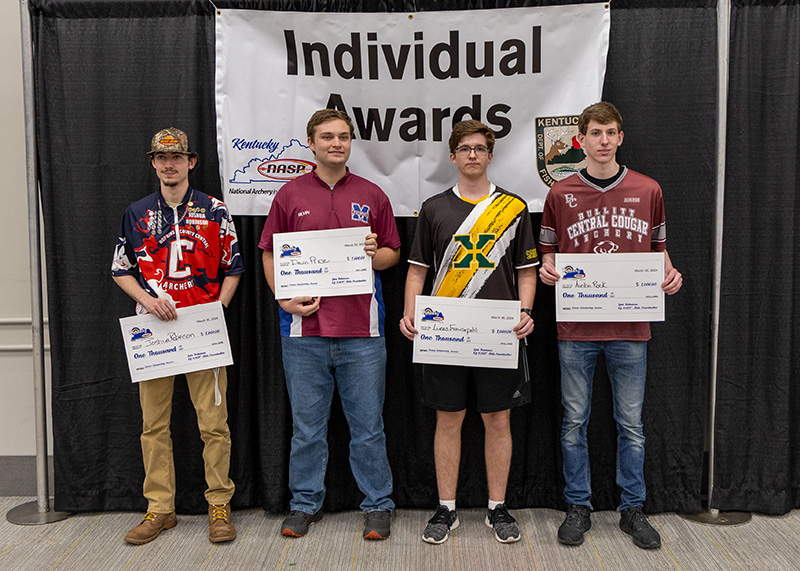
<point x="558" y="153"/>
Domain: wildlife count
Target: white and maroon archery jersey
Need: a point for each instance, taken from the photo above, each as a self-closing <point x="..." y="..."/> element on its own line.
<point x="625" y="217"/>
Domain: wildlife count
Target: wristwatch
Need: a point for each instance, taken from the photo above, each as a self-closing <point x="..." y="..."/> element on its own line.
<point x="527" y="310"/>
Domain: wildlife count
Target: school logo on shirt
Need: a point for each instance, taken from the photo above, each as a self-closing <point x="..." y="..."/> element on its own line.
<point x="473" y="252"/>
<point x="558" y="153"/>
<point x="570" y="199"/>
<point x="606" y="247"/>
<point x="360" y="213"/>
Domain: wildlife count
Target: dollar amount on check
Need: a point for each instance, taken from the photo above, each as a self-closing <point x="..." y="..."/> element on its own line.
<point x="322" y="263"/>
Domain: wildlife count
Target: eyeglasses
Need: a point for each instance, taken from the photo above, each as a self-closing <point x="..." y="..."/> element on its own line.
<point x="465" y="150"/>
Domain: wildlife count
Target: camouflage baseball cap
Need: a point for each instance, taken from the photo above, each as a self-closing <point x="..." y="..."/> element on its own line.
<point x="170" y="140"/>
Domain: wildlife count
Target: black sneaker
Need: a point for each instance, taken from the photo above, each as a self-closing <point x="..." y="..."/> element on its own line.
<point x="633" y="522"/>
<point x="439" y="526"/>
<point x="577" y="522"/>
<point x="504" y="525"/>
<point x="297" y="522"/>
<point x="377" y="524"/>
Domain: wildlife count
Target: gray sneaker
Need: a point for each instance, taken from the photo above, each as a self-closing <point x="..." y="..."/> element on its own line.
<point x="504" y="525"/>
<point x="296" y="523"/>
<point x="377" y="524"/>
<point x="439" y="526"/>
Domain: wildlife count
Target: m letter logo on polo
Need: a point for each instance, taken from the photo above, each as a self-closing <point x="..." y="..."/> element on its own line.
<point x="473" y="252"/>
<point x="360" y="213"/>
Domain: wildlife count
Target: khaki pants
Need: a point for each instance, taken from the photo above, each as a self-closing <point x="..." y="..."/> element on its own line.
<point x="155" y="397"/>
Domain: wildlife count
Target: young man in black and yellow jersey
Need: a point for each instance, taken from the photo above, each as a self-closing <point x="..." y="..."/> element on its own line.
<point x="477" y="239"/>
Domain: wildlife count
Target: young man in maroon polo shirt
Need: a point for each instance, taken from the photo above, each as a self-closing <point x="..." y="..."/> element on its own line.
<point x="335" y="341"/>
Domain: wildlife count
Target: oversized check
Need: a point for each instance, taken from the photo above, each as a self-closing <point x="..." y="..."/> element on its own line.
<point x="610" y="287"/>
<point x="467" y="332"/>
<point x="322" y="263"/>
<point x="196" y="341"/>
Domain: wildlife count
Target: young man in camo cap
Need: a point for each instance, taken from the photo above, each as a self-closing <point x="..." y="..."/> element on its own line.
<point x="177" y="247"/>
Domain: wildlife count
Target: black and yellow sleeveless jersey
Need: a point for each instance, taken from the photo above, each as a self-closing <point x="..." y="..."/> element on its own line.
<point x="474" y="248"/>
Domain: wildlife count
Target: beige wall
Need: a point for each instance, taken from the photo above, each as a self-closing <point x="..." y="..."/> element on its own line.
<point x="17" y="428"/>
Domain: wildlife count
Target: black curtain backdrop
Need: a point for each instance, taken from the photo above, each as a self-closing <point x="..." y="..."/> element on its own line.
<point x="110" y="74"/>
<point x="758" y="430"/>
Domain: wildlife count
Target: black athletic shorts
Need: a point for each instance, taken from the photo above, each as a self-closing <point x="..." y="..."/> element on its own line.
<point x="446" y="387"/>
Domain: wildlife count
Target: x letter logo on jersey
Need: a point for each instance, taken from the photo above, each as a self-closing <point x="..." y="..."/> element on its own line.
<point x="474" y="252"/>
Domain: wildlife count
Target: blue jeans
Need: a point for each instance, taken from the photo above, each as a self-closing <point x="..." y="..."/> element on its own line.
<point x="357" y="366"/>
<point x="627" y="367"/>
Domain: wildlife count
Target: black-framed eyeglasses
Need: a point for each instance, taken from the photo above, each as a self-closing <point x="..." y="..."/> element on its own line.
<point x="465" y="150"/>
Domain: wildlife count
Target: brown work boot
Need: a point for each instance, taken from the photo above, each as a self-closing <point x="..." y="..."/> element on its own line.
<point x="220" y="526"/>
<point x="152" y="524"/>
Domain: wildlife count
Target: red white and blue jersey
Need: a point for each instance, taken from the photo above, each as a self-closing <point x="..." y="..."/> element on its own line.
<point x="308" y="203"/>
<point x="185" y="263"/>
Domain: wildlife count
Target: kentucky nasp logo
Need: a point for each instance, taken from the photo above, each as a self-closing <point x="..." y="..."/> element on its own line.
<point x="432" y="315"/>
<point x="269" y="161"/>
<point x="574" y="273"/>
<point x="289" y="250"/>
<point x="143" y="333"/>
<point x="360" y="213"/>
<point x="558" y="153"/>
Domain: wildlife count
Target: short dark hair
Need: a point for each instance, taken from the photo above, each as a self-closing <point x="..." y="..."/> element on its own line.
<point x="325" y="115"/>
<point x="470" y="127"/>
<point x="602" y="112"/>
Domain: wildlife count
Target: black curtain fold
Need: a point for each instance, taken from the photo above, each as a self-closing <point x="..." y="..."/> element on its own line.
<point x="758" y="400"/>
<point x="107" y="79"/>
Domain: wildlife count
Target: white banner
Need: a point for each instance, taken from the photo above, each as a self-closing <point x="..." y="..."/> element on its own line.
<point x="404" y="79"/>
